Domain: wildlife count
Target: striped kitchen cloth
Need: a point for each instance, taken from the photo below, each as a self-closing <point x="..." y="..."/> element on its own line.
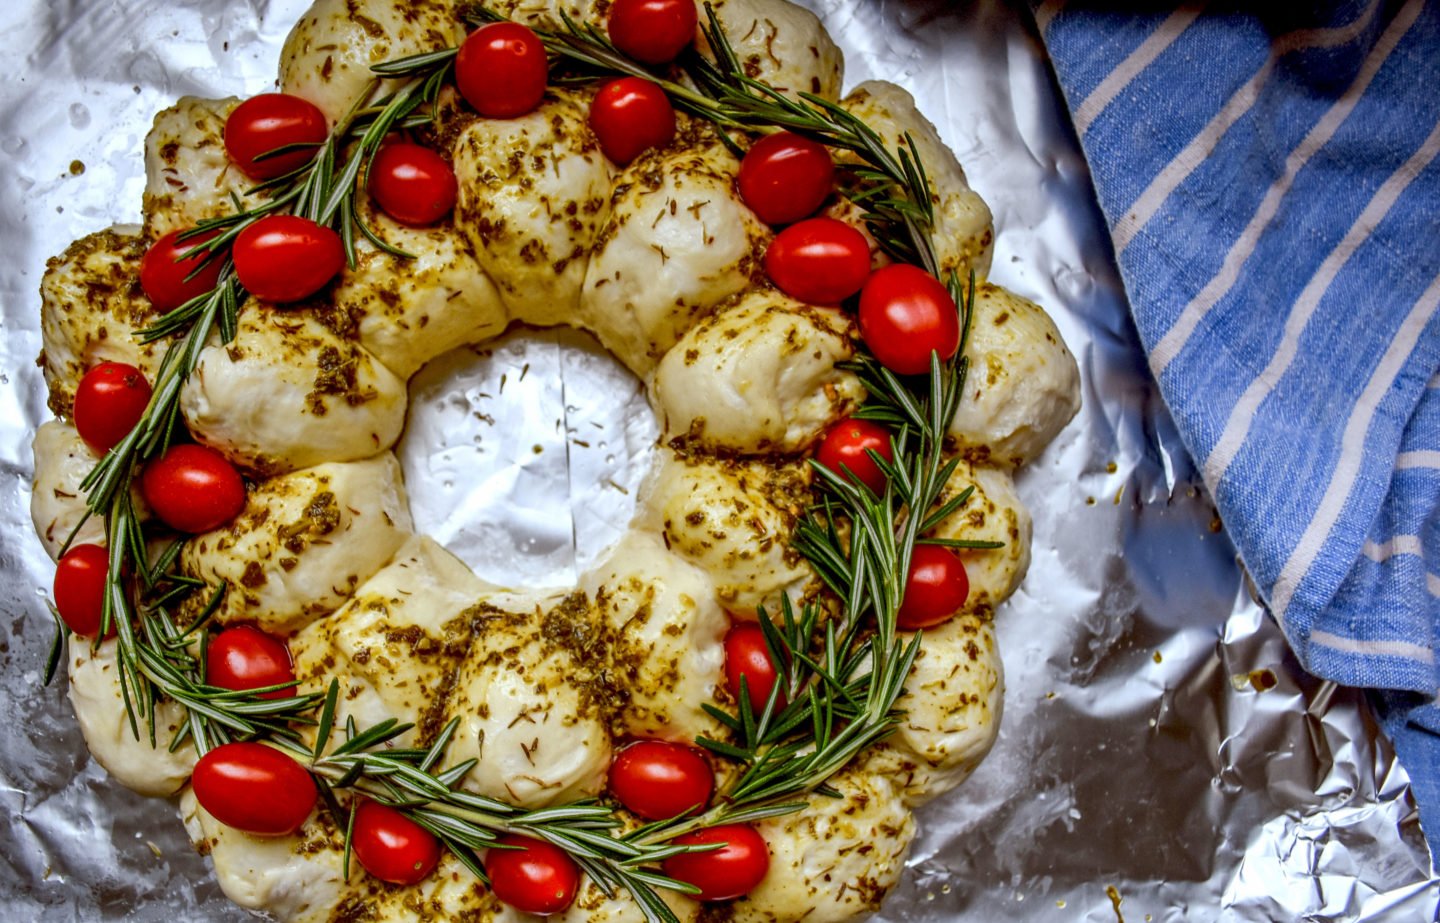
<point x="1272" y="186"/>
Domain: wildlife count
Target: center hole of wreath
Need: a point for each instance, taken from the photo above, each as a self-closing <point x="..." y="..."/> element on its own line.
<point x="524" y="456"/>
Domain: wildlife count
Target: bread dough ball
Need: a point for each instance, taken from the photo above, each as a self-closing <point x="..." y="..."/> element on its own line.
<point x="91" y="311"/>
<point x="848" y="213"/>
<point x="188" y="176"/>
<point x="592" y="906"/>
<point x="732" y="520"/>
<point x="328" y="53"/>
<point x="57" y="504"/>
<point x="394" y="645"/>
<point x="952" y="704"/>
<point x="1023" y="385"/>
<point x="994" y="513"/>
<point x="304" y="542"/>
<point x="451" y="892"/>
<point x="99" y="704"/>
<point x="298" y="878"/>
<point x="677" y="243"/>
<point x="533" y="193"/>
<point x="408" y="311"/>
<point x="427" y="902"/>
<point x="783" y="44"/>
<point x="289" y="393"/>
<point x="758" y="377"/>
<point x="667" y="636"/>
<point x="964" y="236"/>
<point x="837" y="859"/>
<point x="530" y="702"/>
<point x="545" y="14"/>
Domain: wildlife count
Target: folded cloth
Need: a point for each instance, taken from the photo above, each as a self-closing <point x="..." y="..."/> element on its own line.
<point x="1272" y="187"/>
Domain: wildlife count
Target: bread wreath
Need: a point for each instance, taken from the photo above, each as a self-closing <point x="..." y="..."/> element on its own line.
<point x="661" y="260"/>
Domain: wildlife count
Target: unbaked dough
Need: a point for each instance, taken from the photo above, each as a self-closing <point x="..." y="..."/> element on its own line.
<point x="660" y="259"/>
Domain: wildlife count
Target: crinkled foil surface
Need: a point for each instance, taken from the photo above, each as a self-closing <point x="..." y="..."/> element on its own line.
<point x="1162" y="758"/>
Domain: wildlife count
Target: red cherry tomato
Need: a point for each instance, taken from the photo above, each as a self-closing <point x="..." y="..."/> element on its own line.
<point x="244" y="657"/>
<point x="192" y="488"/>
<point x="652" y="31"/>
<point x="110" y="400"/>
<point x="253" y="788"/>
<point x="630" y="115"/>
<point x="658" y="780"/>
<point x="747" y="655"/>
<point x="80" y="588"/>
<point x="905" y="314"/>
<point x="535" y="877"/>
<point x="501" y="70"/>
<point x="284" y="258"/>
<point x="731" y="871"/>
<point x="818" y="261"/>
<point x="846" y="443"/>
<point x="785" y="177"/>
<point x="391" y="846"/>
<point x="935" y="588"/>
<point x="163" y="273"/>
<point x="412" y="184"/>
<point x="268" y="122"/>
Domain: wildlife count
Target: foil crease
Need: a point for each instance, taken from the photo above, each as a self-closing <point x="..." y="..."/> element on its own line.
<point x="1162" y="756"/>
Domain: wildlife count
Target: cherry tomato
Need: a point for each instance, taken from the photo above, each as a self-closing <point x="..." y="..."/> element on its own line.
<point x="731" y="871"/>
<point x="192" y="488"/>
<point x="846" y="443"/>
<point x="391" y="846"/>
<point x="163" y="273"/>
<point x="253" y="788"/>
<point x="535" y="877"/>
<point x="658" y="780"/>
<point x="935" y="588"/>
<point x="630" y="115"/>
<point x="268" y="122"/>
<point x="284" y="258"/>
<point x="747" y="655"/>
<point x="905" y="314"/>
<point x="110" y="400"/>
<point x="785" y="177"/>
<point x="501" y="70"/>
<point x="80" y="588"/>
<point x="412" y="184"/>
<point x="652" y="31"/>
<point x="244" y="657"/>
<point x="818" y="261"/>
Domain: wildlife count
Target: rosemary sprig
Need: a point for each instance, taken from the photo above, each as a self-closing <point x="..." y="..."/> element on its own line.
<point x="408" y="780"/>
<point x="843" y="699"/>
<point x="108" y="492"/>
<point x="324" y="189"/>
<point x="152" y="662"/>
<point x="157" y="660"/>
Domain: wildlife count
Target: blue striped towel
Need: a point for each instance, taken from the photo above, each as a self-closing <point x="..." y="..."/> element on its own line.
<point x="1272" y="187"/>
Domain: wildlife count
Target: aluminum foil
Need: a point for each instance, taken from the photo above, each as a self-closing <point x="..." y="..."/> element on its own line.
<point x="1162" y="755"/>
<point x="525" y="456"/>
